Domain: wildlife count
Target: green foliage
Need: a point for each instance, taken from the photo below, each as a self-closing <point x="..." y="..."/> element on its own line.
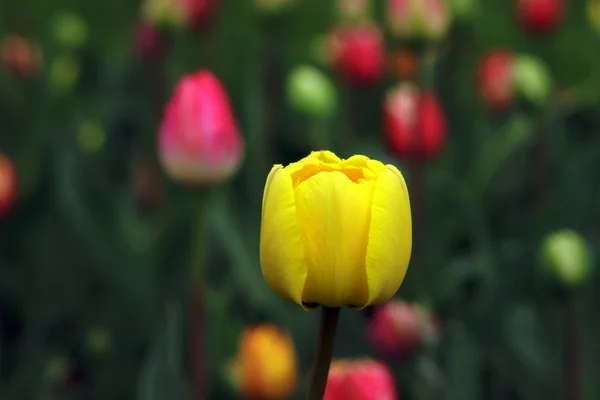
<point x="87" y="272"/>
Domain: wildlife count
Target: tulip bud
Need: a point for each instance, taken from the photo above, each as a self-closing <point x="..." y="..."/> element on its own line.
<point x="196" y="13"/>
<point x="532" y="79"/>
<point x="148" y="42"/>
<point x="64" y="73"/>
<point x="418" y="19"/>
<point x="8" y="185"/>
<point x="20" y="57"/>
<point x="199" y="140"/>
<point x="414" y="122"/>
<point x="358" y="53"/>
<point x="354" y="11"/>
<point x="266" y="366"/>
<point x="98" y="341"/>
<point x="540" y="16"/>
<point x="91" y="137"/>
<point x="311" y="92"/>
<point x="70" y="30"/>
<point x="496" y="79"/>
<point x="362" y="379"/>
<point x="399" y="329"/>
<point x="273" y="6"/>
<point x="566" y="256"/>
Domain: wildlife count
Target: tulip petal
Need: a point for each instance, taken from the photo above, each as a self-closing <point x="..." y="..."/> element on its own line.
<point x="334" y="218"/>
<point x="281" y="246"/>
<point x="390" y="236"/>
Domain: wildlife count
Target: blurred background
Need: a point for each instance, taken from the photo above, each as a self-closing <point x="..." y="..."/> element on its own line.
<point x="491" y="110"/>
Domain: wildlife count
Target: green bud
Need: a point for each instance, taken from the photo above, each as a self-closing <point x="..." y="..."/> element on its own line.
<point x="532" y="79"/>
<point x="273" y="6"/>
<point x="463" y="9"/>
<point x="311" y="92"/>
<point x="64" y="73"/>
<point x="91" y="137"/>
<point x="70" y="30"/>
<point x="566" y="256"/>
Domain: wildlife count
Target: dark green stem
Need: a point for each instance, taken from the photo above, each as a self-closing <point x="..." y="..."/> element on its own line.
<point x="572" y="376"/>
<point x="196" y="307"/>
<point x="320" y="371"/>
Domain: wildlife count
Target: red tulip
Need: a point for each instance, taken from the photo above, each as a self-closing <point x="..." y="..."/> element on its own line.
<point x="414" y="122"/>
<point x="398" y="329"/>
<point x="495" y="76"/>
<point x="199" y="140"/>
<point x="148" y="42"/>
<point x="358" y="53"/>
<point x="362" y="379"/>
<point x="8" y="185"/>
<point x="20" y="57"/>
<point x="540" y="16"/>
<point x="196" y="13"/>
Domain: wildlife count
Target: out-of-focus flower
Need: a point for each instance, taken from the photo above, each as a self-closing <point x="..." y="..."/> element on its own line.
<point x="593" y="13"/>
<point x="98" y="341"/>
<point x="418" y="19"/>
<point x="64" y="73"/>
<point x="358" y="53"/>
<point x="311" y="92"/>
<point x="70" y="29"/>
<point x="8" y="185"/>
<point x="540" y="16"/>
<point x="266" y="365"/>
<point x="397" y="329"/>
<point x="197" y="13"/>
<point x="532" y="79"/>
<point x="566" y="256"/>
<point x="496" y="79"/>
<point x="414" y="122"/>
<point x="162" y="13"/>
<point x="147" y="185"/>
<point x="199" y="140"/>
<point x="273" y="6"/>
<point x="363" y="379"/>
<point x="148" y="42"/>
<point x="354" y="11"/>
<point x="20" y="57"/>
<point x="335" y="232"/>
<point x="404" y="64"/>
<point x="91" y="137"/>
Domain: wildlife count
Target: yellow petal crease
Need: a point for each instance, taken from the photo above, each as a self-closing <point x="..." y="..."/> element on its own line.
<point x="281" y="243"/>
<point x="390" y="236"/>
<point x="334" y="213"/>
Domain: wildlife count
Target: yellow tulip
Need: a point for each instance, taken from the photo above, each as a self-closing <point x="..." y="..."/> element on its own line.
<point x="335" y="232"/>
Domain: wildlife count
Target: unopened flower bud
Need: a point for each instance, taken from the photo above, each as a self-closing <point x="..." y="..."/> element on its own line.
<point x="70" y="30"/>
<point x="311" y="92"/>
<point x="20" y="57"/>
<point x="418" y="19"/>
<point x="532" y="79"/>
<point x="566" y="256"/>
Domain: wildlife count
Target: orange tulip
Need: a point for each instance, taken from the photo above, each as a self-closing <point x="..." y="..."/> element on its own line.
<point x="267" y="363"/>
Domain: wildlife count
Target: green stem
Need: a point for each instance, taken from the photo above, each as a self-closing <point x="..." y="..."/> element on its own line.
<point x="196" y="307"/>
<point x="320" y="372"/>
<point x="572" y="375"/>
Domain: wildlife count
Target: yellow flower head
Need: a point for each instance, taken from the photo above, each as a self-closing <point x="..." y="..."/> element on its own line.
<point x="335" y="232"/>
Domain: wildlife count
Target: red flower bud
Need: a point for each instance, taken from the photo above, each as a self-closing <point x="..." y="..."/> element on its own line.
<point x="414" y="122"/>
<point x="362" y="379"/>
<point x="20" y="57"/>
<point x="540" y="16"/>
<point x="148" y="42"/>
<point x="495" y="76"/>
<point x="8" y="185"/>
<point x="398" y="329"/>
<point x="199" y="140"/>
<point x="197" y="13"/>
<point x="358" y="53"/>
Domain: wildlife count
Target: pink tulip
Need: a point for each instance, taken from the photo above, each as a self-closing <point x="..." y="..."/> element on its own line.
<point x="199" y="140"/>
